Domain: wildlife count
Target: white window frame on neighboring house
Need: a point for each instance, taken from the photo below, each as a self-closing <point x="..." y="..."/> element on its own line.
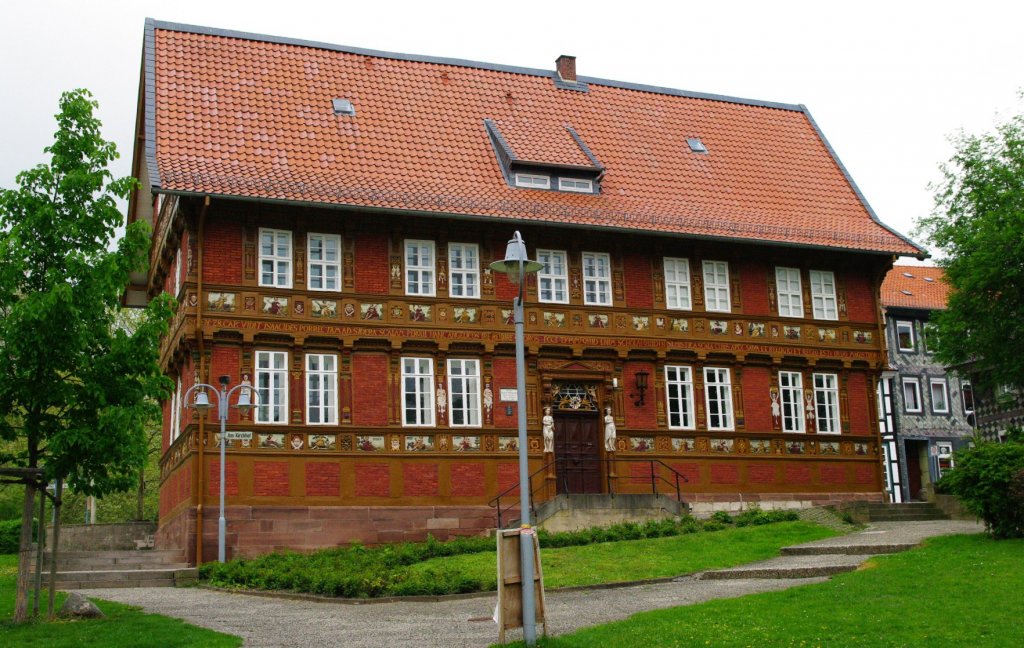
<point x="915" y="384"/>
<point x="272" y="387"/>
<point x="597" y="279"/>
<point x="717" y="296"/>
<point x="420" y="273"/>
<point x="943" y="391"/>
<point x="464" y="270"/>
<point x="275" y="258"/>
<point x="791" y="398"/>
<point x="788" y="289"/>
<point x="967" y="388"/>
<point x="907" y="327"/>
<point x="826" y="403"/>
<point x="321" y="389"/>
<point x="679" y="397"/>
<point x="323" y="273"/>
<point x="718" y="398"/>
<point x="553" y="278"/>
<point x="677" y="283"/>
<point x="533" y="181"/>
<point x="417" y="392"/>
<point x="576" y="185"/>
<point x="464" y="392"/>
<point x="823" y="294"/>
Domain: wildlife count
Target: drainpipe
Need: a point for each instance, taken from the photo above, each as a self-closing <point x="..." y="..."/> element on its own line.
<point x="200" y="473"/>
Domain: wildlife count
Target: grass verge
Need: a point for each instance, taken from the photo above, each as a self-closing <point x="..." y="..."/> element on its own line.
<point x="955" y="591"/>
<point x="125" y="626"/>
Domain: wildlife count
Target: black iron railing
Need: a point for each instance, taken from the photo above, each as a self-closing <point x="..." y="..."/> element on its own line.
<point x="656" y="478"/>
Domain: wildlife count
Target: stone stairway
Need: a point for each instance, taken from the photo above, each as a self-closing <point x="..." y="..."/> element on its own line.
<point x="574" y="512"/>
<point x="908" y="512"/>
<point x="121" y="568"/>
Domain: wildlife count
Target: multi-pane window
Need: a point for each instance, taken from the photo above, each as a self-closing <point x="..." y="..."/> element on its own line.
<point x="321" y="389"/>
<point x="533" y="181"/>
<point x="419" y="268"/>
<point x="417" y="392"/>
<point x="716" y="286"/>
<point x="577" y="185"/>
<point x="679" y="396"/>
<point x="597" y="279"/>
<point x="464" y="392"/>
<point x="176" y="411"/>
<point x="823" y="295"/>
<point x="177" y="272"/>
<point x="826" y="402"/>
<point x="718" y="398"/>
<point x="968" y="397"/>
<point x="912" y="394"/>
<point x="791" y="390"/>
<point x="905" y="336"/>
<point x="553" y="278"/>
<point x="272" y="387"/>
<point x="324" y="263"/>
<point x="275" y="258"/>
<point x="787" y="286"/>
<point x="677" y="283"/>
<point x="464" y="266"/>
<point x="940" y="395"/>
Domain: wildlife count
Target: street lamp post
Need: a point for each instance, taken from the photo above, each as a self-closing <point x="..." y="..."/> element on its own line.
<point x="201" y="405"/>
<point x="516" y="266"/>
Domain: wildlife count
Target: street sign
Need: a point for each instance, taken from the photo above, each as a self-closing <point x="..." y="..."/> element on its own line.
<point x="237" y="435"/>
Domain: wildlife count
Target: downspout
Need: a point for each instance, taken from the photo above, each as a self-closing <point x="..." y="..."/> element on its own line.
<point x="200" y="473"/>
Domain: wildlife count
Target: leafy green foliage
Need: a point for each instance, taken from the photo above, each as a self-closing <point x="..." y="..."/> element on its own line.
<point x="989" y="481"/>
<point x="10" y="532"/>
<point x="978" y="224"/>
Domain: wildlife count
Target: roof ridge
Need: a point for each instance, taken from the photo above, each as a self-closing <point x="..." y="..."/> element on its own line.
<point x="457" y="62"/>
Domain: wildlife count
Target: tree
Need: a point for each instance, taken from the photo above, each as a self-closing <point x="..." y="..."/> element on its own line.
<point x="77" y="390"/>
<point x="978" y="224"/>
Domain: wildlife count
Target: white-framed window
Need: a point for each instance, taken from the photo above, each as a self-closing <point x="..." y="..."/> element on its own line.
<point x="911" y="394"/>
<point x="787" y="286"/>
<point x="716" y="286"/>
<point x="464" y="270"/>
<point x="679" y="396"/>
<point x="321" y="389"/>
<point x="967" y="393"/>
<point x="944" y="454"/>
<point x="905" y="336"/>
<point x="940" y="395"/>
<point x="175" y="427"/>
<point x="272" y="387"/>
<point x="177" y="272"/>
<point x="597" y="279"/>
<point x="576" y="184"/>
<point x="791" y="391"/>
<point x="324" y="262"/>
<point x="718" y="397"/>
<point x="823" y="295"/>
<point x="533" y="181"/>
<point x="464" y="392"/>
<point x="553" y="278"/>
<point x="929" y="335"/>
<point x="275" y="258"/>
<point x="677" y="283"/>
<point x="417" y="392"/>
<point x="826" y="402"/>
<point x="419" y="268"/>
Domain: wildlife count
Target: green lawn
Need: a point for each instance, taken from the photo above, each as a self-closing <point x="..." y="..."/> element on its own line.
<point x="964" y="591"/>
<point x="125" y="626"/>
<point x="613" y="562"/>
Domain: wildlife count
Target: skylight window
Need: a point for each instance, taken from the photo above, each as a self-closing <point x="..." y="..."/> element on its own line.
<point x="696" y="145"/>
<point x="343" y="107"/>
<point x="906" y="292"/>
<point x="908" y="275"/>
<point x="929" y="279"/>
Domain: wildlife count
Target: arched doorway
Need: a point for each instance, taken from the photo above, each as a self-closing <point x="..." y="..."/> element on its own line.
<point x="577" y="437"/>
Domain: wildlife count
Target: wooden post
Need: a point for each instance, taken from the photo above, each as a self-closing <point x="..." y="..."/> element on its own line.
<point x="40" y="547"/>
<point x="57" y="501"/>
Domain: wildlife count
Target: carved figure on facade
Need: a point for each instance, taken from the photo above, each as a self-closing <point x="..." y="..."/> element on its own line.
<point x="773" y="394"/>
<point x="548" y="430"/>
<point x="609" y="430"/>
<point x="809" y="408"/>
<point x="442" y="401"/>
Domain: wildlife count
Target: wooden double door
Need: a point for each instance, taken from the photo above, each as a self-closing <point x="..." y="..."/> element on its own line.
<point x="578" y="451"/>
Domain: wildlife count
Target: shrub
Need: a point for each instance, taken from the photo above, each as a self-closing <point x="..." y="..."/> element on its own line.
<point x="989" y="481"/>
<point x="10" y="535"/>
<point x="722" y="517"/>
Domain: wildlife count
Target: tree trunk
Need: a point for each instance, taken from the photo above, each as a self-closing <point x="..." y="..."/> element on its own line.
<point x="142" y="492"/>
<point x="58" y="501"/>
<point x="25" y="555"/>
<point x="40" y="548"/>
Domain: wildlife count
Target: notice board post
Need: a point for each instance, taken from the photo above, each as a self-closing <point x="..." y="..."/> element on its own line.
<point x="510" y="580"/>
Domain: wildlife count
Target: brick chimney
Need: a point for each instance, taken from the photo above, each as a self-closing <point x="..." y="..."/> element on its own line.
<point x="566" y="68"/>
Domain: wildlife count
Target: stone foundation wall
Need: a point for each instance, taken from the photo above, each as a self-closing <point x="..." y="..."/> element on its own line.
<point x="706" y="504"/>
<point x="102" y="537"/>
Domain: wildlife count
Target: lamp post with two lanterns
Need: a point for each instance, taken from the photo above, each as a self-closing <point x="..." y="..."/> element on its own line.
<point x="201" y="405"/>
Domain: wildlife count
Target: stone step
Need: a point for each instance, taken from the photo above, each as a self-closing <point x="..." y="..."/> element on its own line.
<point x="909" y="517"/>
<point x="126" y="578"/>
<point x="847" y="549"/>
<point x="105" y="560"/>
<point x="792" y="566"/>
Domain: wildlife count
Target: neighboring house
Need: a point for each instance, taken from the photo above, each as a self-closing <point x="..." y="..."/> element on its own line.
<point x="326" y="216"/>
<point x="996" y="408"/>
<point x="925" y="412"/>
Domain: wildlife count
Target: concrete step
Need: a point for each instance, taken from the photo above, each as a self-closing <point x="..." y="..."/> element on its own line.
<point x="105" y="560"/>
<point x="170" y="577"/>
<point x="908" y="517"/>
<point x="573" y="512"/>
<point x="847" y="549"/>
<point x="792" y="566"/>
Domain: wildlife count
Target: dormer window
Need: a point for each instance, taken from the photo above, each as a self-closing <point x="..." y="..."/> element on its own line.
<point x="533" y="181"/>
<point x="577" y="185"/>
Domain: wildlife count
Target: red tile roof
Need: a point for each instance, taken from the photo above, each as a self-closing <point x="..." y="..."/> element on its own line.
<point x="921" y="287"/>
<point x="251" y="116"/>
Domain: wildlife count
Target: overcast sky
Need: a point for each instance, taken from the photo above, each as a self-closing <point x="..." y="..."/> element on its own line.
<point x="887" y="82"/>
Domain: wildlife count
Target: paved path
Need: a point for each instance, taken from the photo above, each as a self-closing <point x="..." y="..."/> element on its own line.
<point x="276" y="622"/>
